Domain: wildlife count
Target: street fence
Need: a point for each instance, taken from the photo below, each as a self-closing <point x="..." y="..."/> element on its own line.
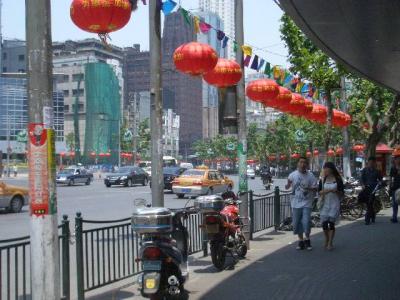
<point x="107" y="251"/>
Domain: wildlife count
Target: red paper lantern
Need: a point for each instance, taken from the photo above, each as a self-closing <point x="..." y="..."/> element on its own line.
<point x="295" y="155"/>
<point x="308" y="154"/>
<point x="72" y="154"/>
<point x="101" y="154"/>
<point x="358" y="148"/>
<point x="338" y="118"/>
<point x="283" y="157"/>
<point x="283" y="99"/>
<point x="330" y="153"/>
<point x="195" y="58"/>
<point x="296" y="106"/>
<point x="262" y="90"/>
<point x="271" y="157"/>
<point x="93" y="154"/>
<point x="339" y="151"/>
<point x="316" y="152"/>
<point x="348" y="119"/>
<point x="308" y="107"/>
<point x="226" y="73"/>
<point x="108" y="154"/>
<point x="100" y="17"/>
<point x="318" y="113"/>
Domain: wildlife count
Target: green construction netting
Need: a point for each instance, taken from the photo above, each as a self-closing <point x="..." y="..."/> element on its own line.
<point x="102" y="112"/>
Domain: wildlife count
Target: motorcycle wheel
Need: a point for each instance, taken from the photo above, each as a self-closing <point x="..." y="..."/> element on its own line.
<point x="218" y="255"/>
<point x="242" y="249"/>
<point x="377" y="206"/>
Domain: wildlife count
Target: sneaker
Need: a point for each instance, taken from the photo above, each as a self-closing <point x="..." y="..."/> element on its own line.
<point x="300" y="245"/>
<point x="308" y="245"/>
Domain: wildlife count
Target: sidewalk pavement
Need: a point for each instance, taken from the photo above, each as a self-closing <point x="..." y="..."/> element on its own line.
<point x="365" y="264"/>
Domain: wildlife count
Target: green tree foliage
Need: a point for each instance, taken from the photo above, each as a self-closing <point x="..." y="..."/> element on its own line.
<point x="144" y="139"/>
<point x="70" y="141"/>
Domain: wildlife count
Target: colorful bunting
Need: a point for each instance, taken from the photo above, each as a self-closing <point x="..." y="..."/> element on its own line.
<point x="235" y="46"/>
<point x="168" y="6"/>
<point x="247" y="50"/>
<point x="262" y="62"/>
<point x="267" y="70"/>
<point x="220" y="35"/>
<point x="246" y="61"/>
<point x="196" y="24"/>
<point x="254" y="64"/>
<point x="225" y="42"/>
<point x="204" y="27"/>
<point x="186" y="16"/>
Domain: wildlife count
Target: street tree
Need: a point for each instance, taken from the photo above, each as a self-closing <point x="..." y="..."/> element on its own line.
<point x="70" y="141"/>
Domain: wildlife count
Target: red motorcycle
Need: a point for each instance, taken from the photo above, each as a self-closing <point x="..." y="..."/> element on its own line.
<point x="223" y="227"/>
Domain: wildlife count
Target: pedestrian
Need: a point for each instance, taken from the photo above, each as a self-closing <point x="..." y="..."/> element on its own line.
<point x="394" y="185"/>
<point x="15" y="170"/>
<point x="370" y="177"/>
<point x="304" y="185"/>
<point x="331" y="191"/>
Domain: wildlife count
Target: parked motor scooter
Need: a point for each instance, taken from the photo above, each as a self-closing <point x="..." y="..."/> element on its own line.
<point x="163" y="251"/>
<point x="223" y="227"/>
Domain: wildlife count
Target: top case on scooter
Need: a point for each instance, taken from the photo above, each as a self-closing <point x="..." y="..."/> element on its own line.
<point x="152" y="220"/>
<point x="207" y="204"/>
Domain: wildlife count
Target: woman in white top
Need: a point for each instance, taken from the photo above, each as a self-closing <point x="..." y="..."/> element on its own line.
<point x="331" y="191"/>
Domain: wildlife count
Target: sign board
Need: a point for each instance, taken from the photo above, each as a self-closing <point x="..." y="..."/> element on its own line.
<point x="41" y="170"/>
<point x="22" y="136"/>
<point x="230" y="147"/>
<point x="300" y="136"/>
<point x="210" y="152"/>
<point x="128" y="136"/>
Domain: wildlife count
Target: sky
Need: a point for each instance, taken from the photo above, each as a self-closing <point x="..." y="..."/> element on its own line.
<point x="261" y="23"/>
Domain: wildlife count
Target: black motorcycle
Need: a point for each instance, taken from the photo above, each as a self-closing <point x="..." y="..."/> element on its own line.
<point x="266" y="178"/>
<point x="163" y="251"/>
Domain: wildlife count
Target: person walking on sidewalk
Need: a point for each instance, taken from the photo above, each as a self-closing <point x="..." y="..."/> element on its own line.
<point x="331" y="191"/>
<point x="394" y="186"/>
<point x="15" y="170"/>
<point x="303" y="184"/>
<point x="370" y="177"/>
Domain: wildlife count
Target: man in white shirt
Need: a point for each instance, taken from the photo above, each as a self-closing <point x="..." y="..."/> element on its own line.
<point x="304" y="186"/>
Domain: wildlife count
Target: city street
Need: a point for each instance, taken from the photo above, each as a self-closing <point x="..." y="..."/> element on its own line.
<point x="97" y="202"/>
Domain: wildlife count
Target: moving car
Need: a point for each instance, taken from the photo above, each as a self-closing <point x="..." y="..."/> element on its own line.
<point x="127" y="176"/>
<point x="201" y="181"/>
<point x="13" y="198"/>
<point x="170" y="173"/>
<point x="251" y="173"/>
<point x="70" y="176"/>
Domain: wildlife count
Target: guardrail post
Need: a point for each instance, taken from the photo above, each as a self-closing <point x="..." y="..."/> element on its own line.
<point x="277" y="208"/>
<point x="66" y="234"/>
<point x="251" y="213"/>
<point x="79" y="256"/>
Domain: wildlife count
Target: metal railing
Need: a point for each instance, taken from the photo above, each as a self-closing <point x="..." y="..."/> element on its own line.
<point x="107" y="254"/>
<point x="268" y="210"/>
<point x="15" y="275"/>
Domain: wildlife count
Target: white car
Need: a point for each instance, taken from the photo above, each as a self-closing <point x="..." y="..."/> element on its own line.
<point x="251" y="173"/>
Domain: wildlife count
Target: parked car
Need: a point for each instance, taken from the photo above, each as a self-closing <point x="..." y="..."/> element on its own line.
<point x="201" y="181"/>
<point x="13" y="198"/>
<point x="170" y="173"/>
<point x="251" y="173"/>
<point x="127" y="176"/>
<point x="71" y="176"/>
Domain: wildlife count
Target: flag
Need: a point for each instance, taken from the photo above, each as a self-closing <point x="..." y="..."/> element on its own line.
<point x="168" y="7"/>
<point x="246" y="61"/>
<point x="262" y="62"/>
<point x="254" y="64"/>
<point x="267" y="70"/>
<point x="304" y="88"/>
<point x="186" y="16"/>
<point x="220" y="35"/>
<point x="196" y="24"/>
<point x="235" y="46"/>
<point x="247" y="50"/>
<point x="276" y="72"/>
<point x="288" y="79"/>
<point x="225" y="42"/>
<point x="204" y="27"/>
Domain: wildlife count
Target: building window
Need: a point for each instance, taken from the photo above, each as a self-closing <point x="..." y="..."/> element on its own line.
<point x="4" y="55"/>
<point x="75" y="92"/>
<point x="4" y="69"/>
<point x="66" y="93"/>
<point x="80" y="107"/>
<point x="21" y="57"/>
<point x="66" y="108"/>
<point x="64" y="65"/>
<point x="77" y="77"/>
<point x="65" y="78"/>
<point x="21" y="70"/>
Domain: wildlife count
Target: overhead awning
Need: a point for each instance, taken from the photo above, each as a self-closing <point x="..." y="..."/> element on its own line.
<point x="363" y="35"/>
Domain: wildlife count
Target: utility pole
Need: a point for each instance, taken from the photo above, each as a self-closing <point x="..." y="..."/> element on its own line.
<point x="76" y="122"/>
<point x="242" y="126"/>
<point x="45" y="272"/>
<point x="157" y="180"/>
<point x="345" y="132"/>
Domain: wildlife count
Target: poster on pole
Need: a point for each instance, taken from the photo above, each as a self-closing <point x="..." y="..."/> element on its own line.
<point x="41" y="170"/>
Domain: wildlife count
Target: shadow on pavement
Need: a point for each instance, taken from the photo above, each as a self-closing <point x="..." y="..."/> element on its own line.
<point x="365" y="264"/>
<point x="116" y="295"/>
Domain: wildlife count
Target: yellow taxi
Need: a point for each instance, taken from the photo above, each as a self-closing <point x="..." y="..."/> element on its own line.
<point x="201" y="181"/>
<point x="13" y="198"/>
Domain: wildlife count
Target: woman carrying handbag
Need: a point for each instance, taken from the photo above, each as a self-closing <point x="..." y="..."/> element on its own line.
<point x="331" y="191"/>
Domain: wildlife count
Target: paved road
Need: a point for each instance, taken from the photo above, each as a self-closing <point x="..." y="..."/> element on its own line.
<point x="95" y="202"/>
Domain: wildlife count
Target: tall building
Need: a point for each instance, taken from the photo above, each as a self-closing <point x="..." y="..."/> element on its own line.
<point x="170" y="132"/>
<point x="181" y="92"/>
<point x="14" y="114"/>
<point x="209" y="92"/>
<point x="136" y="72"/>
<point x="13" y="58"/>
<point x="225" y="9"/>
<point x="70" y="59"/>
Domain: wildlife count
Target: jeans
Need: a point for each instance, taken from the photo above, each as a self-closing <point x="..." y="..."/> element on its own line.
<point x="395" y="208"/>
<point x="302" y="220"/>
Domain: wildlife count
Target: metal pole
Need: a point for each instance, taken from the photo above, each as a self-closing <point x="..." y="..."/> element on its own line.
<point x="157" y="189"/>
<point x="45" y="271"/>
<point x="345" y="132"/>
<point x="119" y="142"/>
<point x="8" y="141"/>
<point x="242" y="130"/>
